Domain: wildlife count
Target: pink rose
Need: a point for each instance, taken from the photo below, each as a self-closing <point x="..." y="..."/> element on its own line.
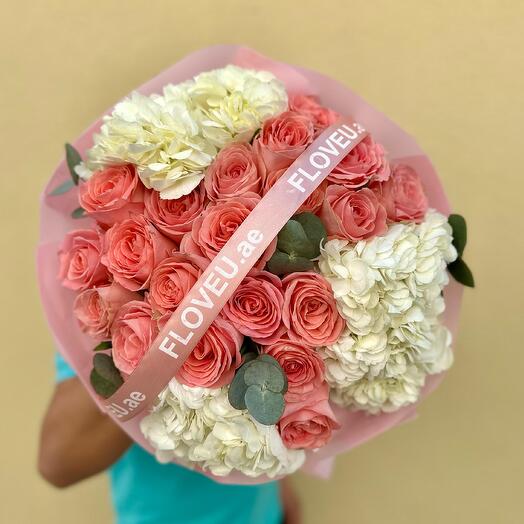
<point x="133" y="331"/>
<point x="312" y="204"/>
<point x="302" y="365"/>
<point x="255" y="308"/>
<point x="310" y="311"/>
<point x="216" y="225"/>
<point x="354" y="215"/>
<point x="172" y="279"/>
<point x="133" y="248"/>
<point x="112" y="194"/>
<point x="363" y="164"/>
<point x="403" y="195"/>
<point x="80" y="260"/>
<point x="215" y="358"/>
<point x="308" y="424"/>
<point x="282" y="139"/>
<point x="95" y="308"/>
<point x="309" y="106"/>
<point x="232" y="173"/>
<point x="175" y="217"/>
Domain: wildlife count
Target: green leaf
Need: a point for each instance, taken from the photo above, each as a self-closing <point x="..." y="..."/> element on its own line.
<point x="268" y="358"/>
<point x="264" y="374"/>
<point x="79" y="212"/>
<point x="105" y="367"/>
<point x="106" y="344"/>
<point x="237" y="390"/>
<point x="315" y="230"/>
<point x="292" y="239"/>
<point x="264" y="405"/>
<point x="73" y="158"/>
<point x="104" y="377"/>
<point x="460" y="232"/>
<point x="461" y="272"/>
<point x="64" y="187"/>
<point x="282" y="264"/>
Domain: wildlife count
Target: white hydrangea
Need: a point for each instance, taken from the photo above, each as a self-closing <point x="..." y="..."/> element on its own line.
<point x="173" y="137"/>
<point x="389" y="290"/>
<point x="199" y="427"/>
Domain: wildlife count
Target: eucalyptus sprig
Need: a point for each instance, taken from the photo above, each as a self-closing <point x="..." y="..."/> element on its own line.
<point x="259" y="386"/>
<point x="298" y="244"/>
<point x="105" y="377"/>
<point x="73" y="158"/>
<point x="458" y="269"/>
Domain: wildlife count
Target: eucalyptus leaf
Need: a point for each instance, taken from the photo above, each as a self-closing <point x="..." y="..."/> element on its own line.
<point x="266" y="375"/>
<point x="461" y="272"/>
<point x="105" y="388"/>
<point x="79" y="212"/>
<point x="64" y="187"/>
<point x="282" y="264"/>
<point x="268" y="358"/>
<point x="315" y="230"/>
<point x="460" y="232"/>
<point x="73" y="158"/>
<point x="265" y="406"/>
<point x="237" y="390"/>
<point x="292" y="239"/>
<point x="105" y="367"/>
<point x="106" y="344"/>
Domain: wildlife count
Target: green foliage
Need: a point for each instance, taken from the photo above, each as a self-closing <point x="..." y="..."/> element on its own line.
<point x="460" y="232"/>
<point x="298" y="244"/>
<point x="106" y="344"/>
<point x="105" y="377"/>
<point x="73" y="158"/>
<point x="259" y="386"/>
<point x="79" y="212"/>
<point x="461" y="273"/>
<point x="63" y="188"/>
<point x="458" y="269"/>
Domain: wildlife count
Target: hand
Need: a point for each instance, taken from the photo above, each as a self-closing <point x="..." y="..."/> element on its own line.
<point x="290" y="503"/>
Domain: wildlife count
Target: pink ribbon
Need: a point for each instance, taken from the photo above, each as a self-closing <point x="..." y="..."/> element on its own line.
<point x="207" y="297"/>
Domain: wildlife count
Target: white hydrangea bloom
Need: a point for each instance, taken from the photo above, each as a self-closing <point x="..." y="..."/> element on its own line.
<point x="199" y="427"/>
<point x="389" y="290"/>
<point x="173" y="137"/>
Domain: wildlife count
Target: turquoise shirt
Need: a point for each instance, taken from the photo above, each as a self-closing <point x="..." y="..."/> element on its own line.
<point x="147" y="492"/>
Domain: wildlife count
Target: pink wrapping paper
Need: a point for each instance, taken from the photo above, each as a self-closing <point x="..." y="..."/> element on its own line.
<point x="55" y="222"/>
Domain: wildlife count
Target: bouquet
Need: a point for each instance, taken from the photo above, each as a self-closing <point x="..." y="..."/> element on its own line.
<point x="324" y="331"/>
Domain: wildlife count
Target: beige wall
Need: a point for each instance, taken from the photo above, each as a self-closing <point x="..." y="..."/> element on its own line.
<point x="451" y="72"/>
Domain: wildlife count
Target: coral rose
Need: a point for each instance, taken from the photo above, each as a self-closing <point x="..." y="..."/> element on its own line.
<point x="215" y="358"/>
<point x="172" y="279"/>
<point x="95" y="308"/>
<point x="216" y="225"/>
<point x="174" y="217"/>
<point x="302" y="365"/>
<point x="112" y="194"/>
<point x="364" y="163"/>
<point x="255" y="308"/>
<point x="80" y="260"/>
<point x="403" y="195"/>
<point x="310" y="311"/>
<point x="282" y="140"/>
<point x="309" y="106"/>
<point x="308" y="424"/>
<point x="132" y="333"/>
<point x="132" y="249"/>
<point x="232" y="173"/>
<point x="353" y="215"/>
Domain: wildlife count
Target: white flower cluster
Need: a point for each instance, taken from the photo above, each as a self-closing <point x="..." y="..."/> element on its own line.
<point x="173" y="137"/>
<point x="199" y="427"/>
<point x="389" y="290"/>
